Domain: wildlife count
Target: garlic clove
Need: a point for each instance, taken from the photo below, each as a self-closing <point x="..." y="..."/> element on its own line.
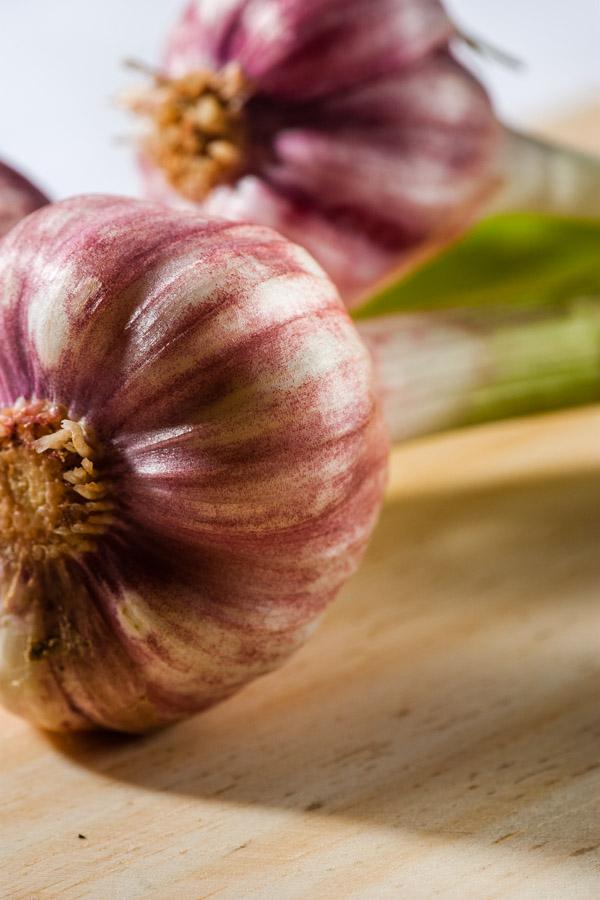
<point x="422" y="141"/>
<point x="30" y="690"/>
<point x="61" y="665"/>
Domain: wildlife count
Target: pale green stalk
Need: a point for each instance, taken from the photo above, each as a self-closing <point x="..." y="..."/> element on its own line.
<point x="447" y="369"/>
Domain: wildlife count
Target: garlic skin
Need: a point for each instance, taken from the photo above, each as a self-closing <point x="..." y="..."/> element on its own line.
<point x="196" y="392"/>
<point x="362" y="136"/>
<point x="18" y="197"/>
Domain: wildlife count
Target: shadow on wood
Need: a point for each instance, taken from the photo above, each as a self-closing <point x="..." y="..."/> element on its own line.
<point x="451" y="690"/>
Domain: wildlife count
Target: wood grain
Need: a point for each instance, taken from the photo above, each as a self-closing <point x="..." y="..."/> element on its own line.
<point x="438" y="737"/>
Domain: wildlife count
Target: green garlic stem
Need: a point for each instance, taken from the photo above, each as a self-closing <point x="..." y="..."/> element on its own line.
<point x="550" y="361"/>
<point x="444" y="370"/>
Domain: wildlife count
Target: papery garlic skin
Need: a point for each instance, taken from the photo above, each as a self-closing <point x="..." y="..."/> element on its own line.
<point x="364" y="138"/>
<point x="18" y="197"/>
<point x="212" y="369"/>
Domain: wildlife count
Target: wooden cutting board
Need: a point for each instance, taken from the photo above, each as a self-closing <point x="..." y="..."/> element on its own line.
<point x="438" y="737"/>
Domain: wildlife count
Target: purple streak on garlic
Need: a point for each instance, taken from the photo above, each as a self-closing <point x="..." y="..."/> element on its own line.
<point x="191" y="459"/>
<point x="18" y="197"/>
<point x="345" y="124"/>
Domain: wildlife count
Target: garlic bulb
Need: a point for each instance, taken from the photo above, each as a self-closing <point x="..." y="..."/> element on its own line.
<point x="191" y="459"/>
<point x="18" y="197"/>
<point x="345" y="124"/>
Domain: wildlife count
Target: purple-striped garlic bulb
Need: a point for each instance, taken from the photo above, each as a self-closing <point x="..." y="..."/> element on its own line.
<point x="191" y="459"/>
<point x="345" y="124"/>
<point x="18" y="197"/>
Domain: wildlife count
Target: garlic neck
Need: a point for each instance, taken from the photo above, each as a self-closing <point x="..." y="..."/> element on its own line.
<point x="197" y="134"/>
<point x="53" y="499"/>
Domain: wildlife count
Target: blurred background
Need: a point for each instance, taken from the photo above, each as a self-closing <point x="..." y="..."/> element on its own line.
<point x="60" y="71"/>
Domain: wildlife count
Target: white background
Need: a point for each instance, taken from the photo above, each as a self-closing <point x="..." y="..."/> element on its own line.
<point x="60" y="69"/>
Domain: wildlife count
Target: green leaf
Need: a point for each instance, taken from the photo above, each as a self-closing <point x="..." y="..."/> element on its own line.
<point x="513" y="260"/>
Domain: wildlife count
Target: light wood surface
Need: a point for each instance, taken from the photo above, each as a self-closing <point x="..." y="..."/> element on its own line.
<point x="438" y="737"/>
